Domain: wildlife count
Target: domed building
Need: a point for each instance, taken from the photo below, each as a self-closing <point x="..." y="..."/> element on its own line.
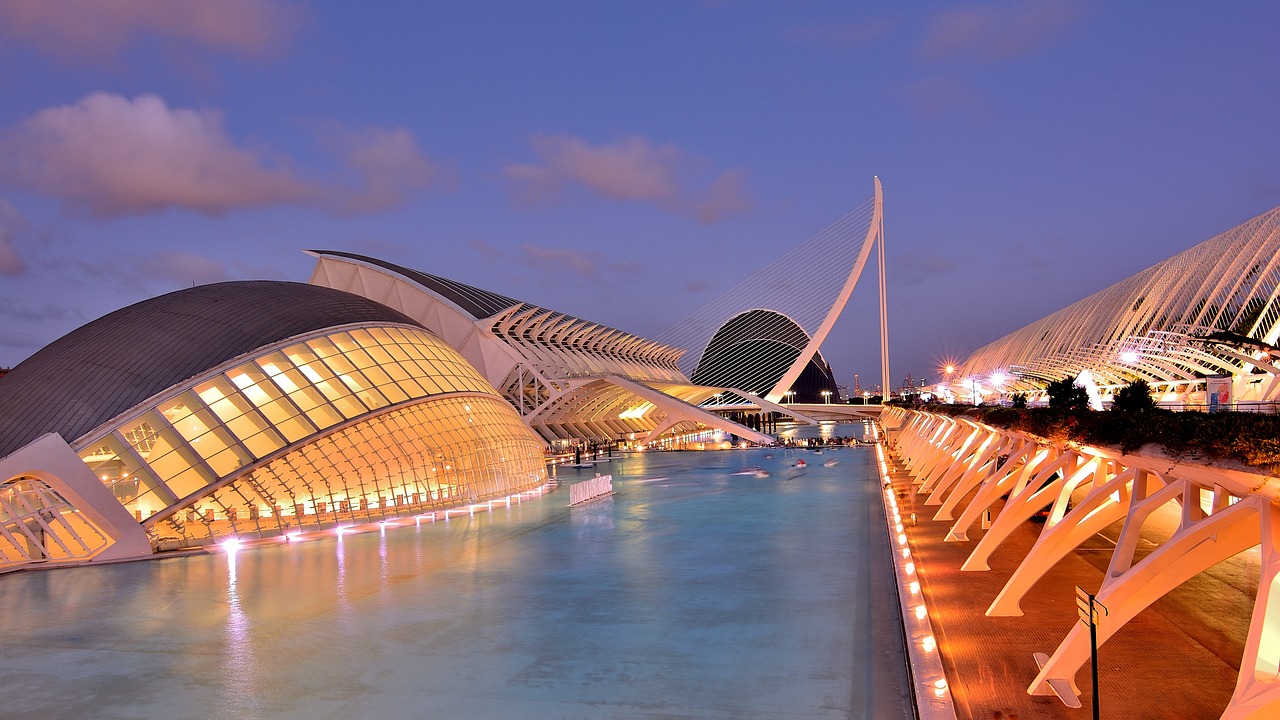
<point x="244" y="410"/>
<point x="754" y="349"/>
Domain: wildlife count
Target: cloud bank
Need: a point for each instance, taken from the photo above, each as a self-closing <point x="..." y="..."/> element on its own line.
<point x="92" y="29"/>
<point x="632" y="169"/>
<point x="997" y="32"/>
<point x="108" y="156"/>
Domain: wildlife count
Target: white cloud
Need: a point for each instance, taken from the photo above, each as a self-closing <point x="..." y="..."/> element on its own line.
<point x="96" y="29"/>
<point x="108" y="156"/>
<point x="998" y="32"/>
<point x="631" y="169"/>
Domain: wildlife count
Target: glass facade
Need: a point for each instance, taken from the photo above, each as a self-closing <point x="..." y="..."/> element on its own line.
<point x="168" y="464"/>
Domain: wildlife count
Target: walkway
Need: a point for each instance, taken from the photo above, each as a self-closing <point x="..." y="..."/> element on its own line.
<point x="1178" y="659"/>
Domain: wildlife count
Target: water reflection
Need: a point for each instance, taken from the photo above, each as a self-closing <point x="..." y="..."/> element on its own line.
<point x="632" y="605"/>
<point x="240" y="667"/>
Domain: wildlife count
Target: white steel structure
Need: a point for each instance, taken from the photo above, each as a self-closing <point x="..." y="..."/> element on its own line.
<point x="570" y="379"/>
<point x="802" y="294"/>
<point x="966" y="469"/>
<point x="1149" y="326"/>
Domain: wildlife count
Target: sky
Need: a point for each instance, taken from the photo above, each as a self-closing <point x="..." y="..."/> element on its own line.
<point x="627" y="162"/>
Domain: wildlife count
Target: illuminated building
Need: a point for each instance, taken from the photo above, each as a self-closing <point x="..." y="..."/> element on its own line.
<point x="244" y="410"/>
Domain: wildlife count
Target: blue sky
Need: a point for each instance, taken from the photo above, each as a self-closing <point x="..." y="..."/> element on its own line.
<point x="627" y="162"/>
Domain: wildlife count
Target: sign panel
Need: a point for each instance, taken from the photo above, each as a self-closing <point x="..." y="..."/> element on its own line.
<point x="1217" y="392"/>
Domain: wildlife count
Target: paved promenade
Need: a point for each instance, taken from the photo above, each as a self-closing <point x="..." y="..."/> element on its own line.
<point x="1177" y="659"/>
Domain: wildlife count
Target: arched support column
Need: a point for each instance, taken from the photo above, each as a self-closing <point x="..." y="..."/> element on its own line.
<point x="1022" y="463"/>
<point x="962" y="439"/>
<point x="1107" y="502"/>
<point x="1024" y="500"/>
<point x="1257" y="693"/>
<point x="980" y="469"/>
<point x="1126" y="591"/>
<point x="932" y="448"/>
<point x="979" y="450"/>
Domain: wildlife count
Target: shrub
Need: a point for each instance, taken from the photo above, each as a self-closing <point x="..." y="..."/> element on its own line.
<point x="1133" y="398"/>
<point x="1064" y="395"/>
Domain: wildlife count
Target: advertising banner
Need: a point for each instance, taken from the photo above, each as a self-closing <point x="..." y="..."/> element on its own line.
<point x="1218" y="392"/>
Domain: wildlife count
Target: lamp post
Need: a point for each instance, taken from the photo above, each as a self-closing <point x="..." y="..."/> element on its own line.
<point x="826" y="396"/>
<point x="791" y="396"/>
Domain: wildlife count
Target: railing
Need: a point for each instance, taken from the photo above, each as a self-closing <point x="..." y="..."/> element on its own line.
<point x="590" y="489"/>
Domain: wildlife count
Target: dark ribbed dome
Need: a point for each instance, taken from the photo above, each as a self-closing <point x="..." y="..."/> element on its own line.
<point x="112" y="364"/>
<point x="752" y="352"/>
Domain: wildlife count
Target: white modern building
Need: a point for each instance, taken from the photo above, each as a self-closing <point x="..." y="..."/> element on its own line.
<point x="1211" y="310"/>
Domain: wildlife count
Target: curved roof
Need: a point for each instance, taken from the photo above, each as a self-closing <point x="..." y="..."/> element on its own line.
<point x="108" y="366"/>
<point x="477" y="303"/>
<point x="1148" y="325"/>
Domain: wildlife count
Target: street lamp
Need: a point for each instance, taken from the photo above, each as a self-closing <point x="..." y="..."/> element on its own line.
<point x="791" y="396"/>
<point x="826" y="396"/>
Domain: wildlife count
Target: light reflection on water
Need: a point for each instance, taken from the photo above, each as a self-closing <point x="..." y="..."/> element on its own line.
<point x="708" y="593"/>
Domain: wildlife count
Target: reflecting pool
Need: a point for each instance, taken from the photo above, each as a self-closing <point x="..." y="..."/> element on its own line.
<point x="703" y="588"/>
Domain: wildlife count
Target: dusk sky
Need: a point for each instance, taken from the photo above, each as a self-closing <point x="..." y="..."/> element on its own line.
<point x="627" y="162"/>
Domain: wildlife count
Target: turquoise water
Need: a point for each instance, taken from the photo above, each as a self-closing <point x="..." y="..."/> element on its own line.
<point x="693" y="592"/>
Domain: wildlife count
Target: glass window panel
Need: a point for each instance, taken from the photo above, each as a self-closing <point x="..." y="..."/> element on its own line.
<point x="295" y="428"/>
<point x="376" y="376"/>
<point x="195" y="425"/>
<point x="178" y="408"/>
<point x="151" y="443"/>
<point x="215" y="390"/>
<point x="264" y="443"/>
<point x="247" y="425"/>
<point x="299" y="355"/>
<point x="373" y="399"/>
<point x="227" y="462"/>
<point x="398" y="352"/>
<point x="343" y="342"/>
<point x="291" y="380"/>
<point x="307" y="398"/>
<point x="190" y="480"/>
<point x="322" y="347"/>
<point x="339" y="364"/>
<point x="395" y="371"/>
<point x="212" y="443"/>
<point x="414" y="389"/>
<point x="349" y="406"/>
<point x="393" y="392"/>
<point x="362" y="337"/>
<point x="360" y="358"/>
<point x="381" y="336"/>
<point x="325" y="416"/>
<point x="379" y="354"/>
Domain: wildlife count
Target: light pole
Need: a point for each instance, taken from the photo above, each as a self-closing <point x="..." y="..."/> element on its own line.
<point x="791" y="396"/>
<point x="826" y="396"/>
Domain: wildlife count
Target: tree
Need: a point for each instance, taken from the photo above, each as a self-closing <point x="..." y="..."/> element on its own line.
<point x="1019" y="400"/>
<point x="1134" y="397"/>
<point x="1064" y="395"/>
